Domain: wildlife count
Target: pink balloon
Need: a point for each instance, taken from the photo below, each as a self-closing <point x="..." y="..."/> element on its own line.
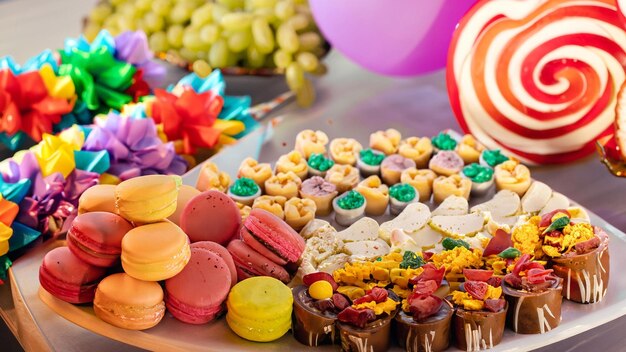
<point x="392" y="37"/>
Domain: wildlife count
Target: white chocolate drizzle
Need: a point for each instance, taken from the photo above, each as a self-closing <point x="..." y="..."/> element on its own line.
<point x="517" y="308"/>
<point x="428" y="345"/>
<point x="361" y="346"/>
<point x="474" y="340"/>
<point x="543" y="322"/>
<point x="569" y="279"/>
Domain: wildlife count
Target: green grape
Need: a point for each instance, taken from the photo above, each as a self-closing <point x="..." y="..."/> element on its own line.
<point x="209" y="33"/>
<point x="239" y="41"/>
<point x="175" y="36"/>
<point x="125" y="23"/>
<point x="285" y="9"/>
<point x="100" y="13"/>
<point x="232" y="4"/>
<point x="153" y="22"/>
<point x="257" y="4"/>
<point x="287" y="38"/>
<point x="304" y="9"/>
<point x="187" y="54"/>
<point x="180" y="13"/>
<point x="282" y="58"/>
<point x="267" y="14"/>
<point x="308" y="61"/>
<point x="254" y="57"/>
<point x="218" y="55"/>
<point x="161" y="7"/>
<point x="299" y="22"/>
<point x="219" y="11"/>
<point x="110" y="24"/>
<point x="191" y="39"/>
<point x="236" y="21"/>
<point x="117" y="2"/>
<point x="143" y="5"/>
<point x="129" y="11"/>
<point x="262" y="36"/>
<point x="305" y="96"/>
<point x="309" y="41"/>
<point x="295" y="76"/>
<point x="158" y="42"/>
<point x="202" y="15"/>
<point x="201" y="67"/>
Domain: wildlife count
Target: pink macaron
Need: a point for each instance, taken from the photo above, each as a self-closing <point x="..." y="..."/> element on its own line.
<point x="211" y="216"/>
<point x="272" y="237"/>
<point x="223" y="253"/>
<point x="250" y="263"/>
<point x="68" y="278"/>
<point x="96" y="238"/>
<point x="196" y="295"/>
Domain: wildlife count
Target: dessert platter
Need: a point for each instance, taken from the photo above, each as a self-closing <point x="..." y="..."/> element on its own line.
<point x="420" y="258"/>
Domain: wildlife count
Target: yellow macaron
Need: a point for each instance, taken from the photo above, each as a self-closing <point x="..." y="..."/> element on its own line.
<point x="259" y="309"/>
<point x="155" y="252"/>
<point x="97" y="198"/>
<point x="147" y="199"/>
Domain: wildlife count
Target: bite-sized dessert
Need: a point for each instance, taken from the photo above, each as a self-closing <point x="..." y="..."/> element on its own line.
<point x="368" y="162"/>
<point x="456" y="256"/>
<point x="284" y="184"/>
<point x="579" y="254"/>
<point x="309" y="142"/>
<point x="478" y="322"/>
<point x="417" y="149"/>
<point x="128" y="303"/>
<point x="315" y="309"/>
<point x="244" y="190"/>
<point x="96" y="238"/>
<point x="536" y="197"/>
<point x="318" y="164"/>
<point x="446" y="163"/>
<point x="481" y="177"/>
<point x="321" y="192"/>
<point x="223" y="253"/>
<point x="349" y="207"/>
<point x="392" y="167"/>
<point x="298" y="212"/>
<point x="386" y="141"/>
<point x="534" y="295"/>
<point x="212" y="178"/>
<point x="68" y="278"/>
<point x="454" y="185"/>
<point x="97" y="198"/>
<point x="376" y="195"/>
<point x="401" y="195"/>
<point x="273" y="204"/>
<point x="443" y="141"/>
<point x="344" y="150"/>
<point x="492" y="158"/>
<point x="257" y="172"/>
<point x="185" y="194"/>
<point x="267" y="246"/>
<point x="196" y="294"/>
<point x="211" y="216"/>
<point x="147" y="199"/>
<point x="423" y="323"/>
<point x="421" y="180"/>
<point x="293" y="161"/>
<point x="513" y="176"/>
<point x="344" y="177"/>
<point x="259" y="309"/>
<point x="469" y="149"/>
<point x="410" y="220"/>
<point x="155" y="252"/>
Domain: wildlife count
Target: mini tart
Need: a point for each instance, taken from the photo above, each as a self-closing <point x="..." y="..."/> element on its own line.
<point x="284" y="184"/>
<point x="523" y="317"/>
<point x="298" y="212"/>
<point x="446" y="163"/>
<point x="512" y="176"/>
<point x="492" y="158"/>
<point x="386" y="141"/>
<point x="309" y="142"/>
<point x="417" y="149"/>
<point x="368" y="161"/>
<point x="376" y="195"/>
<point x="321" y="192"/>
<point x="375" y="336"/>
<point x="421" y="180"/>
<point x="469" y="149"/>
<point x="244" y="191"/>
<point x="293" y="161"/>
<point x="454" y="185"/>
<point x="477" y="330"/>
<point x="258" y="172"/>
<point x="344" y="177"/>
<point x="443" y="141"/>
<point x="273" y="204"/>
<point x="211" y="178"/>
<point x="400" y="196"/>
<point x="392" y="167"/>
<point x="349" y="207"/>
<point x="429" y="334"/>
<point x="481" y="177"/>
<point x="318" y="164"/>
<point x="344" y="150"/>
<point x="311" y="327"/>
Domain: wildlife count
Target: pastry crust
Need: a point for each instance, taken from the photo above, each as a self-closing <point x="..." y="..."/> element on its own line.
<point x="212" y="178"/>
<point x="345" y="150"/>
<point x="345" y="177"/>
<point x="512" y="176"/>
<point x="386" y="141"/>
<point x="392" y="167"/>
<point x="257" y="172"/>
<point x="421" y="179"/>
<point x="273" y="204"/>
<point x="293" y="161"/>
<point x="376" y="194"/>
<point x="309" y="142"/>
<point x="284" y="184"/>
<point x="298" y="212"/>
<point x="455" y="185"/>
<point x="417" y="149"/>
<point x="469" y="149"/>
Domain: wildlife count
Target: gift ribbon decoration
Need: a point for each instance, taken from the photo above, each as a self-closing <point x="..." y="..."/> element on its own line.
<point x="33" y="64"/>
<point x="132" y="47"/>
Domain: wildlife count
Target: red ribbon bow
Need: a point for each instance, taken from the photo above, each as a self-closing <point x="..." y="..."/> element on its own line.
<point x="189" y="117"/>
<point x="25" y="105"/>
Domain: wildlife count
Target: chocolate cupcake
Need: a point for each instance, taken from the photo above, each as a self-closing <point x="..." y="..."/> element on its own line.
<point x="478" y="330"/>
<point x="311" y="325"/>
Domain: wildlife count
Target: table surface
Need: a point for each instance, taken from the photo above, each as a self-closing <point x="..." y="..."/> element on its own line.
<point x="351" y="102"/>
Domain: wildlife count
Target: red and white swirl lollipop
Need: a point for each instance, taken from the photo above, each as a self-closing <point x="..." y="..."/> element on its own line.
<point x="538" y="78"/>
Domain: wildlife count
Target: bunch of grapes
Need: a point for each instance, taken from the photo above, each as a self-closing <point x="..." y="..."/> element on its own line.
<point x="279" y="35"/>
